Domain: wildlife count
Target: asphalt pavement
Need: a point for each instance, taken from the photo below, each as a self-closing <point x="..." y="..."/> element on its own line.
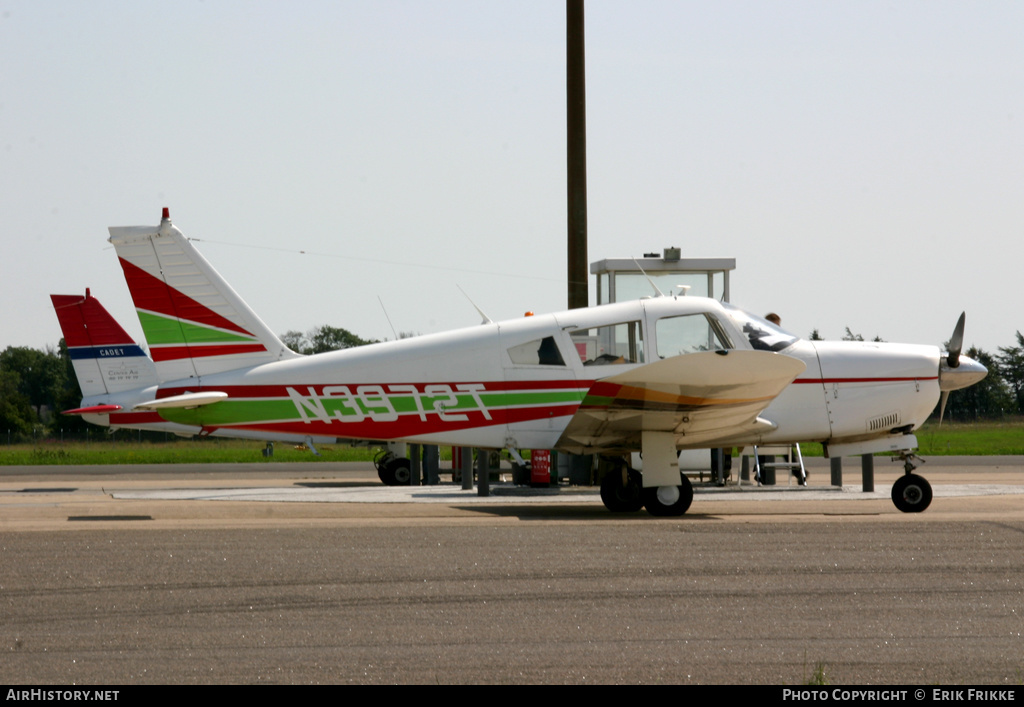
<point x="315" y="573"/>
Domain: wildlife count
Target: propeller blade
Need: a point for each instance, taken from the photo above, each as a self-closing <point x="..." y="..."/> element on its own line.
<point x="942" y="405"/>
<point x="956" y="342"/>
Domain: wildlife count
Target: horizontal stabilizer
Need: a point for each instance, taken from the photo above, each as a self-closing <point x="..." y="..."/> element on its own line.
<point x="93" y="410"/>
<point x="187" y="400"/>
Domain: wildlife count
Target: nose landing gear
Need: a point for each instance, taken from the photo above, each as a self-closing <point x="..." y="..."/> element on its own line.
<point x="911" y="493"/>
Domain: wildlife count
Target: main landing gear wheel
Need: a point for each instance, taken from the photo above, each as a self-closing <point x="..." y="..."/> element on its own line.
<point x="911" y="493"/>
<point x="668" y="500"/>
<point x="620" y="490"/>
<point x="392" y="470"/>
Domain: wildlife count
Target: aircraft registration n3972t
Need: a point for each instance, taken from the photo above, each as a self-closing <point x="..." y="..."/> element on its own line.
<point x="653" y="375"/>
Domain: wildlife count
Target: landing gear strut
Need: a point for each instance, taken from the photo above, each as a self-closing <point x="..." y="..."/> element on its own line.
<point x="911" y="493"/>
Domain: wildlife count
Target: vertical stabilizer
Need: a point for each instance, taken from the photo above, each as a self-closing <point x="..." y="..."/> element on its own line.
<point x="106" y="359"/>
<point x="194" y="323"/>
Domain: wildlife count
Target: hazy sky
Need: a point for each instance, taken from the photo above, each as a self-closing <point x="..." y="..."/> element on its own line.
<point x="862" y="161"/>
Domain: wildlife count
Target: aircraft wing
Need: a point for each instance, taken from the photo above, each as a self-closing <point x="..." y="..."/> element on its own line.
<point x="699" y="397"/>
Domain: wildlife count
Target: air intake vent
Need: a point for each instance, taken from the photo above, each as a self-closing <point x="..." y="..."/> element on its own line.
<point x="887" y="421"/>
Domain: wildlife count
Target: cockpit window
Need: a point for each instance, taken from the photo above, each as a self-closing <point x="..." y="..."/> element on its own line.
<point x="690" y="333"/>
<point x="761" y="333"/>
<point x="610" y="345"/>
<point x="540" y="352"/>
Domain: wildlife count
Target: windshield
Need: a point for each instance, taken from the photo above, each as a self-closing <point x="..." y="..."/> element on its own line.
<point x="761" y="333"/>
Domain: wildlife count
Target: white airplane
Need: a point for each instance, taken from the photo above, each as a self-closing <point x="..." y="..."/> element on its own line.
<point x="654" y="375"/>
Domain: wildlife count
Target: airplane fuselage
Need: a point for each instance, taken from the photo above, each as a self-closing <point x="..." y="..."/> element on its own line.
<point x="486" y="386"/>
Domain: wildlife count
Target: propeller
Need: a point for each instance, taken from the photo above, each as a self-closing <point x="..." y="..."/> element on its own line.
<point x="957" y="371"/>
<point x="956" y="343"/>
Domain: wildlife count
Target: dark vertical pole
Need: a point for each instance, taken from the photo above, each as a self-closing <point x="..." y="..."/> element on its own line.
<point x="576" y="113"/>
<point x="837" y="470"/>
<point x="483" y="473"/>
<point x="466" y="459"/>
<point x="431" y="464"/>
<point x="867" y="472"/>
<point x="415" y="465"/>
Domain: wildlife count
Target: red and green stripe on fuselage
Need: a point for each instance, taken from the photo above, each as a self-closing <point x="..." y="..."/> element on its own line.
<point x="381" y="410"/>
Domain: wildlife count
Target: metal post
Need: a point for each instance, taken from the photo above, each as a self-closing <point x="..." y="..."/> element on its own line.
<point x="867" y="472"/>
<point x="483" y="473"/>
<point x="415" y="465"/>
<point x="431" y="464"/>
<point x="576" y="133"/>
<point x="837" y="470"/>
<point x="467" y="467"/>
<point x="718" y="465"/>
<point x="768" y="471"/>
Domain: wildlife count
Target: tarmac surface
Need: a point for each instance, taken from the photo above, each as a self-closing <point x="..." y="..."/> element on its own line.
<point x="315" y="573"/>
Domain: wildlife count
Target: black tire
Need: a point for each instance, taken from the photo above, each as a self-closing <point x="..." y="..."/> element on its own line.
<point x="385" y="475"/>
<point x="911" y="493"/>
<point x="669" y="500"/>
<point x="618" y="498"/>
<point x="399" y="471"/>
<point x="380" y="460"/>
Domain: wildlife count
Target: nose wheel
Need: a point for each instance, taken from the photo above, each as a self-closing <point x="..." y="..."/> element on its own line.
<point x="911" y="493"/>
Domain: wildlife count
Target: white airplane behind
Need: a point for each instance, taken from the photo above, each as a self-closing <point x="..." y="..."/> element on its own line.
<point x="654" y="375"/>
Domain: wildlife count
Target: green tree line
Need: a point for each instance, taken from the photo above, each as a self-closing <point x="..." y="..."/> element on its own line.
<point x="34" y="386"/>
